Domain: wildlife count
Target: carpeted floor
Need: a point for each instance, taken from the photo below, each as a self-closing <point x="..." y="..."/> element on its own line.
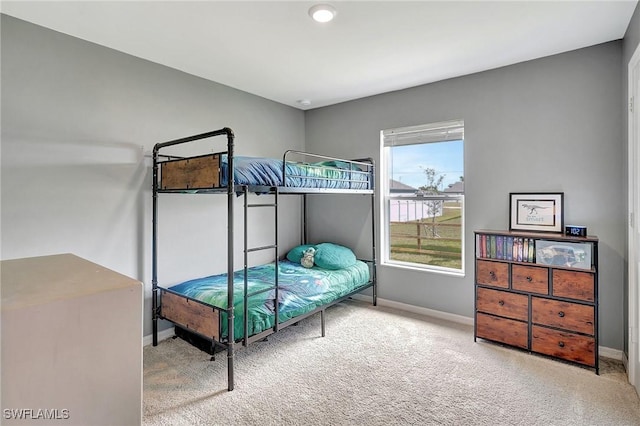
<point x="378" y="366"/>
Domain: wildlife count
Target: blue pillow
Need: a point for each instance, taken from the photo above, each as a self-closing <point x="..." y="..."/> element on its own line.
<point x="333" y="256"/>
<point x="295" y="254"/>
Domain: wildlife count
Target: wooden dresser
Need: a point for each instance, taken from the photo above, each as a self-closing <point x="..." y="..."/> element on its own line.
<point x="71" y="343"/>
<point x="538" y="292"/>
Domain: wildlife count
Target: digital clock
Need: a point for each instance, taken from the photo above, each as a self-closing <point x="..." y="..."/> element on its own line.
<point x="575" y="231"/>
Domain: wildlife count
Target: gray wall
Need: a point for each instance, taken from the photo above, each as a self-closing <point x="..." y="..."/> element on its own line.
<point x="78" y="118"/>
<point x="552" y="124"/>
<point x="629" y="45"/>
<point x="77" y="121"/>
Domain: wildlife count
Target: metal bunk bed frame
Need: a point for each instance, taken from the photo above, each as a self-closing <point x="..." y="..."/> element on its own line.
<point x="231" y="190"/>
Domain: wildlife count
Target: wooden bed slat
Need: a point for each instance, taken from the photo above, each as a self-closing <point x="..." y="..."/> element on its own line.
<point x="192" y="315"/>
<point x="191" y="173"/>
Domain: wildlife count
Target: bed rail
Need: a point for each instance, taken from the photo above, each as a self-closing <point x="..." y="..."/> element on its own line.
<point x="357" y="174"/>
<point x="297" y="172"/>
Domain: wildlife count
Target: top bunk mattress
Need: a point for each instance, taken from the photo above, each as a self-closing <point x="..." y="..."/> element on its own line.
<point x="301" y="290"/>
<point x="256" y="171"/>
<point x="209" y="173"/>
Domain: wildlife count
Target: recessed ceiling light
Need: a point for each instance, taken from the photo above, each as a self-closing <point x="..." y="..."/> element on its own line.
<point x="304" y="102"/>
<point x="323" y="12"/>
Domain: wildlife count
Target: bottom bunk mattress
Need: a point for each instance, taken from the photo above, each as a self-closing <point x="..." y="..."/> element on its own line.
<point x="300" y="290"/>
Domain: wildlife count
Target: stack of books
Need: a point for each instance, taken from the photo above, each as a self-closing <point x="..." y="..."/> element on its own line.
<point x="505" y="247"/>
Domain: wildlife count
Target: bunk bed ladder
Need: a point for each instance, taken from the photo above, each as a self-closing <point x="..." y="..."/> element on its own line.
<point x="247" y="250"/>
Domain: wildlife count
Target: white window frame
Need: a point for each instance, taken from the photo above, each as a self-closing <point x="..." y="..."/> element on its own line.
<point x="435" y="132"/>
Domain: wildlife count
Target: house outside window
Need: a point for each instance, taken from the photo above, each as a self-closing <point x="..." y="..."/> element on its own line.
<point x="423" y="196"/>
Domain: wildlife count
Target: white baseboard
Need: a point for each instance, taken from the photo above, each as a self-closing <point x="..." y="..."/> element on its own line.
<point x="162" y="335"/>
<point x="616" y="354"/>
<point x="418" y="310"/>
<point x="460" y="319"/>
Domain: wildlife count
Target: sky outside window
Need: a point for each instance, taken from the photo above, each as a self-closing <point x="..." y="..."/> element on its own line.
<point x="408" y="162"/>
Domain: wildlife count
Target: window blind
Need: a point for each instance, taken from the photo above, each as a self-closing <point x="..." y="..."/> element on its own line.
<point x="435" y="132"/>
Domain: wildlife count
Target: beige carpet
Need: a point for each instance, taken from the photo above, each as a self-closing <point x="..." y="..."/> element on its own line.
<point x="378" y="366"/>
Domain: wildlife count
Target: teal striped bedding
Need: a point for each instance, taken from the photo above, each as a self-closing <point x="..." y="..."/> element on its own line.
<point x="301" y="290"/>
<point x="269" y="172"/>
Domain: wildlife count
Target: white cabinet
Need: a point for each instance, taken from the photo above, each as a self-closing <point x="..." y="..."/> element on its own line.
<point x="71" y="343"/>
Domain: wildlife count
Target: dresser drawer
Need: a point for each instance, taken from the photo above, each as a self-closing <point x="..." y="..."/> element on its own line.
<point x="510" y="332"/>
<point x="569" y="316"/>
<point x="502" y="303"/>
<point x="495" y="274"/>
<point x="574" y="285"/>
<point x="565" y="345"/>
<point x="530" y="278"/>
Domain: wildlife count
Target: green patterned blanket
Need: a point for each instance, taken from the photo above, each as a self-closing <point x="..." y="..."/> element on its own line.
<point x="301" y="290"/>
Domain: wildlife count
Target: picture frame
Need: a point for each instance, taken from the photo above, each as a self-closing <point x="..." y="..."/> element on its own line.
<point x="564" y="253"/>
<point x="536" y="211"/>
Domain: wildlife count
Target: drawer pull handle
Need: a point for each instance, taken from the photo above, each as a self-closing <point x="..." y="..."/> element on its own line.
<point x="561" y="344"/>
<point x="492" y="274"/>
<point x="501" y="303"/>
<point x="561" y="314"/>
<point x="529" y="279"/>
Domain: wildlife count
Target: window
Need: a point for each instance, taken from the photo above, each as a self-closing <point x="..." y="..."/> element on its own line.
<point x="423" y="196"/>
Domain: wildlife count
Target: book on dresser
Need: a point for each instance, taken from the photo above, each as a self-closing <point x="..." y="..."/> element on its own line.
<point x="539" y="293"/>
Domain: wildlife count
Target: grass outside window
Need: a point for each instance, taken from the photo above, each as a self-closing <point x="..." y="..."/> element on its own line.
<point x="429" y="241"/>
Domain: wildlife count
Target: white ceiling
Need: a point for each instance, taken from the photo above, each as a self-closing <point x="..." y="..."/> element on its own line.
<point x="274" y="50"/>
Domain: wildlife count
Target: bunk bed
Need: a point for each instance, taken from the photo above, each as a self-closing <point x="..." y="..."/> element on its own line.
<point x="243" y="306"/>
